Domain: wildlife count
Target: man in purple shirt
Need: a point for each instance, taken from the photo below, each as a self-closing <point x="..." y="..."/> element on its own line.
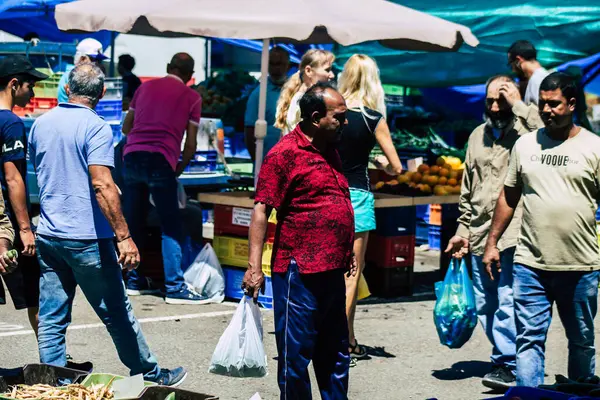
<point x="160" y="113"/>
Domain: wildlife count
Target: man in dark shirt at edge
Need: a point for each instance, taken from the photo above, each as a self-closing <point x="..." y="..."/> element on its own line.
<point x="17" y="79"/>
<point x="301" y="178"/>
<point x="131" y="82"/>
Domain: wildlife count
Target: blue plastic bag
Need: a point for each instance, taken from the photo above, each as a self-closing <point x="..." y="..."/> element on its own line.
<point x="454" y="314"/>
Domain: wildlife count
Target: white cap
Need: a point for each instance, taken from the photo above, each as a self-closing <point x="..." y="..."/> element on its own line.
<point x="92" y="48"/>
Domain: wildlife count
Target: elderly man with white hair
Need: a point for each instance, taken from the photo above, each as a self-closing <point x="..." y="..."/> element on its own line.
<point x="89" y="50"/>
<point x="71" y="150"/>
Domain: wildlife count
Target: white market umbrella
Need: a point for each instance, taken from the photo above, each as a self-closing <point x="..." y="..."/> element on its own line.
<point x="345" y="22"/>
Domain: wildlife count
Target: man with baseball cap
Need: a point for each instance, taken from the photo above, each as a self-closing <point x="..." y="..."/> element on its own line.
<point x="89" y="50"/>
<point x="17" y="79"/>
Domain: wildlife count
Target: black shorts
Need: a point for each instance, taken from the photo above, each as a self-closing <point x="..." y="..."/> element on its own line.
<point x="23" y="284"/>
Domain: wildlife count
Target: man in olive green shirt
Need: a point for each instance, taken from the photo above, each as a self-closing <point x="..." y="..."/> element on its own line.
<point x="556" y="170"/>
<point x="486" y="164"/>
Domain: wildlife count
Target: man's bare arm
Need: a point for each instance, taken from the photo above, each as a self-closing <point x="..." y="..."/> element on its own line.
<point x="128" y="122"/>
<point x="254" y="278"/>
<point x="108" y="200"/>
<point x="189" y="149"/>
<point x="256" y="236"/>
<point x="17" y="194"/>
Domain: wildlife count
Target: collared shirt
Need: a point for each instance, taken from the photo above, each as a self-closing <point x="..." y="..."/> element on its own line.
<point x="315" y="220"/>
<point x="273" y="134"/>
<point x="163" y="108"/>
<point x="486" y="165"/>
<point x="63" y="143"/>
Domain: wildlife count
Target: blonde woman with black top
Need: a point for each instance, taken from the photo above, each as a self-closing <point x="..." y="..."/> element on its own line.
<point x="360" y="85"/>
<point x="315" y="66"/>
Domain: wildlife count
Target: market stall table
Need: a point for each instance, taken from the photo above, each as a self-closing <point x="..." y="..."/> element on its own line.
<point x="245" y="200"/>
<point x="240" y="205"/>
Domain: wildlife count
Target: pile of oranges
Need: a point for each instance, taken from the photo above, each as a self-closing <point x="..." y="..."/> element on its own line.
<point x="442" y="179"/>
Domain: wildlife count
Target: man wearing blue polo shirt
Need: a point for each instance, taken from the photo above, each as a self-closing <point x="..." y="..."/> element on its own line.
<point x="80" y="215"/>
<point x="279" y="64"/>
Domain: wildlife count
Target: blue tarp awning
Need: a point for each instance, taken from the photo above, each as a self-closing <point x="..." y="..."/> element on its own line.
<point x="20" y="17"/>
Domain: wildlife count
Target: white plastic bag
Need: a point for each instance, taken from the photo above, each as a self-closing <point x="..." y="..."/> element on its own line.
<point x="206" y="276"/>
<point x="240" y="351"/>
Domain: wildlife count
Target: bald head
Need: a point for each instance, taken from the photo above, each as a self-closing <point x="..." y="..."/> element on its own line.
<point x="181" y="65"/>
<point x="323" y="111"/>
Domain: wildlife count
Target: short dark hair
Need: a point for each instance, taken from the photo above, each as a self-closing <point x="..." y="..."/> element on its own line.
<point x="279" y="49"/>
<point x="127" y="61"/>
<point x="313" y="100"/>
<point x="559" y="80"/>
<point x="21" y="78"/>
<point x="522" y="48"/>
<point x="500" y="77"/>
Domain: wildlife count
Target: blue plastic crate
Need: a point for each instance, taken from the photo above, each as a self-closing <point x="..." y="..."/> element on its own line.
<point x="422" y="233"/>
<point x="396" y="221"/>
<point x="423" y="212"/>
<point x="233" y="286"/>
<point x="203" y="162"/>
<point x="110" y="110"/>
<point x="117" y="133"/>
<point x="435" y="237"/>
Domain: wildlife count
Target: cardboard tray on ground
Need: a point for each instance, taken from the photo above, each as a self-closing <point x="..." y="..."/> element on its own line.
<point x="164" y="392"/>
<point x="33" y="374"/>
<point x="105" y="379"/>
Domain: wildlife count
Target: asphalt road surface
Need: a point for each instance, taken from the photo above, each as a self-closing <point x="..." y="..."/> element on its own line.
<point x="408" y="361"/>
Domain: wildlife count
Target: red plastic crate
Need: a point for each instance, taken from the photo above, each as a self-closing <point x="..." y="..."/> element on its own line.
<point x="391" y="251"/>
<point x="236" y="221"/>
<point x="23" y="111"/>
<point x="390" y="282"/>
<point x="43" y="103"/>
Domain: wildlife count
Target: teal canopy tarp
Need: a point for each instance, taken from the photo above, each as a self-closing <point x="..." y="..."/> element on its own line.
<point x="561" y="31"/>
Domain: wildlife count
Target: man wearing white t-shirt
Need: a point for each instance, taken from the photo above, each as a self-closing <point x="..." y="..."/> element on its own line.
<point x="522" y="59"/>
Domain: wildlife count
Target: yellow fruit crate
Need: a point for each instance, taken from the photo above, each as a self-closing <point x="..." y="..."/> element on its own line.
<point x="233" y="251"/>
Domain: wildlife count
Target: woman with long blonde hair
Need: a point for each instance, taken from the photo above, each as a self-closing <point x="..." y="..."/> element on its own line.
<point x="360" y="85"/>
<point x="315" y="66"/>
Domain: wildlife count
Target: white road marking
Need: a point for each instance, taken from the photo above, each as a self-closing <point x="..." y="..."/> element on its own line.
<point x="141" y="321"/>
<point x="9" y="327"/>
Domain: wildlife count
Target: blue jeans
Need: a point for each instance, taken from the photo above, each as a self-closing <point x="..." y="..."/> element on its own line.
<point x="311" y="324"/>
<point x="495" y="307"/>
<point x="93" y="265"/>
<point x="145" y="174"/>
<point x="576" y="296"/>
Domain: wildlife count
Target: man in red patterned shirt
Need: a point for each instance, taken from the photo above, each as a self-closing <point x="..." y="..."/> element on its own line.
<point x="301" y="178"/>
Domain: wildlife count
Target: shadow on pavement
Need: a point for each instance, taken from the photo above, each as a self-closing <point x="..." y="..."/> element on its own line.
<point x="463" y="370"/>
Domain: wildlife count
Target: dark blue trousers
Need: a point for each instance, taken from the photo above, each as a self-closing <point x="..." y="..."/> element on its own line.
<point x="311" y="325"/>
